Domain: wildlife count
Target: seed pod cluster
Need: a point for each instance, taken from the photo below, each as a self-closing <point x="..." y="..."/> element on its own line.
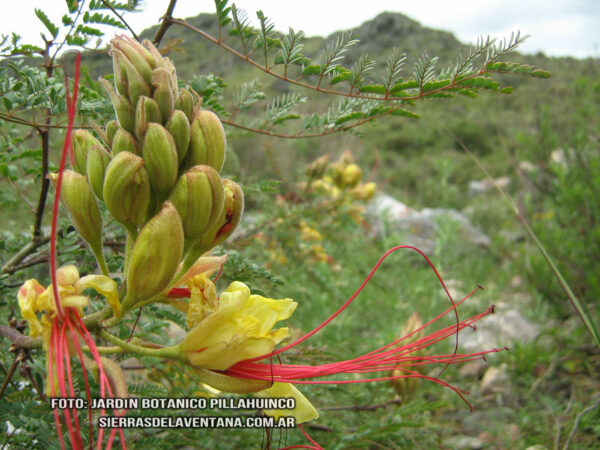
<point x="157" y="167"/>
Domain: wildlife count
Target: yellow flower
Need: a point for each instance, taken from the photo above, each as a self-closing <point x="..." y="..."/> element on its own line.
<point x="240" y="328"/>
<point x="35" y="299"/>
<point x="233" y="328"/>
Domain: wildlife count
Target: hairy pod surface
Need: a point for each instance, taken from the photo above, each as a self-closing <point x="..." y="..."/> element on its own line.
<point x="163" y="93"/>
<point x="160" y="157"/>
<point x="97" y="161"/>
<point x="123" y="141"/>
<point x="208" y="144"/>
<point x="147" y="111"/>
<point x="127" y="190"/>
<point x="179" y="127"/>
<point x="83" y="140"/>
<point x="155" y="256"/>
<point x="199" y="198"/>
<point x="78" y="198"/>
<point x="123" y="109"/>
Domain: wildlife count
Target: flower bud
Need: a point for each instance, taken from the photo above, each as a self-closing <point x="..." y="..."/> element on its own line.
<point x="185" y="103"/>
<point x="317" y="168"/>
<point x="127" y="190"/>
<point x="198" y="197"/>
<point x="207" y="144"/>
<point x="146" y="111"/>
<point x="82" y="141"/>
<point x="163" y="93"/>
<point x="160" y="157"/>
<point x="179" y="127"/>
<point x="78" y="198"/>
<point x="136" y="55"/>
<point x="97" y="160"/>
<point x="352" y="175"/>
<point x="155" y="256"/>
<point x="123" y="109"/>
<point x="229" y="220"/>
<point x="111" y="130"/>
<point x="123" y="141"/>
<point x="136" y="82"/>
<point x="100" y="132"/>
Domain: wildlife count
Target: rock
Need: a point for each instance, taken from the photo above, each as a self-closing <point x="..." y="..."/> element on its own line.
<point x="527" y="167"/>
<point x="483" y="186"/>
<point x="419" y="228"/>
<point x="558" y="157"/>
<point x="463" y="442"/>
<point x="495" y="381"/>
<point x="501" y="329"/>
<point x="385" y="205"/>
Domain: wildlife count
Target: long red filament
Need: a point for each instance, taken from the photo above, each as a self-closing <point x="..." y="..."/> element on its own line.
<point x="67" y="321"/>
<point x="71" y="108"/>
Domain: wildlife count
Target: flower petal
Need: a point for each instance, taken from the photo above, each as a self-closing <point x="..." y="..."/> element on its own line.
<point x="304" y="410"/>
<point x="103" y="285"/>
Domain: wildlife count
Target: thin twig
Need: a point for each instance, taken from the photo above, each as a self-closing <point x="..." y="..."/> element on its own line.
<point x="166" y="22"/>
<point x="109" y="6"/>
<point x="593" y="407"/>
<point x="579" y="309"/>
<point x="11" y="371"/>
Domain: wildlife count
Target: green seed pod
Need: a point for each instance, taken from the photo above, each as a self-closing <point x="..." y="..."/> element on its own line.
<point x="136" y="55"/>
<point x="160" y="157"/>
<point x="231" y="215"/>
<point x="179" y="127"/>
<point x="120" y="76"/>
<point x="155" y="256"/>
<point x="136" y="83"/>
<point x="159" y="61"/>
<point x="198" y="197"/>
<point x="123" y="141"/>
<point x="163" y="94"/>
<point x="185" y="103"/>
<point x="97" y="161"/>
<point x="147" y="111"/>
<point x="123" y="109"/>
<point x="82" y="142"/>
<point x="207" y="144"/>
<point x="78" y="198"/>
<point x="100" y="132"/>
<point x="111" y="130"/>
<point x="127" y="190"/>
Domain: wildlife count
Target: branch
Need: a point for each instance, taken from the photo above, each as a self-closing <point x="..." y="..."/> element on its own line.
<point x="420" y="95"/>
<point x="36" y="125"/>
<point x="18" y="339"/>
<point x="166" y="21"/>
<point x="12" y="264"/>
<point x="109" y="6"/>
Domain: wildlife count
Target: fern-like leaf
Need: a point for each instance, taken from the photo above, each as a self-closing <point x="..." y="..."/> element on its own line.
<point x="247" y="95"/>
<point x="280" y="107"/>
<point x="334" y="53"/>
<point x="359" y="69"/>
<point x="425" y="69"/>
<point x="395" y="65"/>
<point x="241" y="27"/>
<point x="265" y="37"/>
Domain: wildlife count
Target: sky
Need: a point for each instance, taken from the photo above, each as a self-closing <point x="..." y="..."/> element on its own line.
<point x="557" y="27"/>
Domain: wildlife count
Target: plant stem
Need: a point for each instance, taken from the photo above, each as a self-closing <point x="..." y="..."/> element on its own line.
<point x="171" y="352"/>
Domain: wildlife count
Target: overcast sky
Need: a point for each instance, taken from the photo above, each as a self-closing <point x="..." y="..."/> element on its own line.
<point x="557" y="27"/>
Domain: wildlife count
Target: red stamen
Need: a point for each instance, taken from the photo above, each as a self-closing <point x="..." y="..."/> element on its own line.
<point x="72" y="103"/>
